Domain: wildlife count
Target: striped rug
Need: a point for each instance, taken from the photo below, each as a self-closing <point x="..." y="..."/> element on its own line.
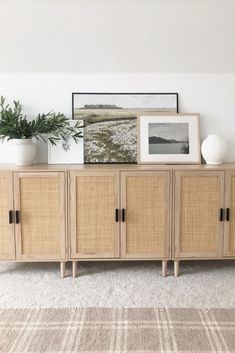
<point x="104" y="330"/>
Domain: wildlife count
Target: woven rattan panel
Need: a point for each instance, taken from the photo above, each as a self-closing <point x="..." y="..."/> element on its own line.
<point x="199" y="213"/>
<point x="95" y="205"/>
<point x="4" y="223"/>
<point x="40" y="215"/>
<point x="146" y="208"/>
<point x="232" y="217"/>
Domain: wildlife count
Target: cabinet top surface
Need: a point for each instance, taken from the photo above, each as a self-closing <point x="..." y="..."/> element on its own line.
<point x="118" y="167"/>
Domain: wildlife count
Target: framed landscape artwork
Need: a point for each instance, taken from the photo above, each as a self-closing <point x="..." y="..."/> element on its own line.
<point x="168" y="138"/>
<point x="110" y="119"/>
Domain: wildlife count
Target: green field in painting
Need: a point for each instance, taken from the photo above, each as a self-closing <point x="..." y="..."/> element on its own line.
<point x="98" y="115"/>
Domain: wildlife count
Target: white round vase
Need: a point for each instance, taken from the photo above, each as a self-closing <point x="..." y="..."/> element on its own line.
<point x="24" y="151"/>
<point x="214" y="149"/>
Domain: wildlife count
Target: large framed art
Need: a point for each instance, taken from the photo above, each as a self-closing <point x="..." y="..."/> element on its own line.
<point x="168" y="138"/>
<point x="110" y="119"/>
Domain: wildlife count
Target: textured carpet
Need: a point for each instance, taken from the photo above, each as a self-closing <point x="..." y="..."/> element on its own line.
<point x="117" y="330"/>
<point x="204" y="284"/>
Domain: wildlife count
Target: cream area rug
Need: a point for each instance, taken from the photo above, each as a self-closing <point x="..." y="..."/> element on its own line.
<point x="201" y="284"/>
<point x="106" y="330"/>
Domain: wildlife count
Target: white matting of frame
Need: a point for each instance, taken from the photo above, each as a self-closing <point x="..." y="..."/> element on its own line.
<point x="168" y="139"/>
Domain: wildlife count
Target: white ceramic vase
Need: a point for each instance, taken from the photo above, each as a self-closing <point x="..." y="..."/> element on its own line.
<point x="214" y="149"/>
<point x="24" y="151"/>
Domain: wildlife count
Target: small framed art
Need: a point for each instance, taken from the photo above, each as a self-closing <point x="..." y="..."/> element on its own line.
<point x="168" y="139"/>
<point x="110" y="119"/>
<point x="66" y="151"/>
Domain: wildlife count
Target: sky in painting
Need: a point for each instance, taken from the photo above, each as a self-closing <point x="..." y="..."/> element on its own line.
<point x="176" y="131"/>
<point x="143" y="101"/>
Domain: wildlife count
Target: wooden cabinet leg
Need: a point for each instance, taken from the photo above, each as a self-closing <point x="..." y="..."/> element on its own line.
<point x="164" y="268"/>
<point x="62" y="269"/>
<point x="177" y="268"/>
<point x="75" y="269"/>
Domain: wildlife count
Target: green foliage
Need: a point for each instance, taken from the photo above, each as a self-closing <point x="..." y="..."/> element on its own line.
<point x="14" y="125"/>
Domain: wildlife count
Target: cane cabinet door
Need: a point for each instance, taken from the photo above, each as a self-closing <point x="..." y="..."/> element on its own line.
<point x="7" y="236"/>
<point x="145" y="211"/>
<point x="229" y="236"/>
<point x="199" y="214"/>
<point x="94" y="204"/>
<point x="40" y="211"/>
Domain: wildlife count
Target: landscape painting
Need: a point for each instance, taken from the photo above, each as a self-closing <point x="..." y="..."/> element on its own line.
<point x="110" y="120"/>
<point x="168" y="138"/>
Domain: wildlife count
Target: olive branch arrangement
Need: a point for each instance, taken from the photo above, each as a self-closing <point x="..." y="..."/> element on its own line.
<point x="14" y="125"/>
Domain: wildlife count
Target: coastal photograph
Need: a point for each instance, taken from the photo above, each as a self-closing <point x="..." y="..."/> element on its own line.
<point x="168" y="138"/>
<point x="110" y="133"/>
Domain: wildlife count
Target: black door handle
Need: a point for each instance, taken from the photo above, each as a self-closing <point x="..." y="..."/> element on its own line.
<point x="10" y="217"/>
<point x="221" y="215"/>
<point x="227" y="214"/>
<point x="123" y="215"/>
<point x="116" y="215"/>
<point x="17" y="217"/>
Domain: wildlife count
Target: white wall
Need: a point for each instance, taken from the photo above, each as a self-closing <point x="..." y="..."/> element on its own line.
<point x="52" y="48"/>
<point x="212" y="95"/>
<point x="117" y="36"/>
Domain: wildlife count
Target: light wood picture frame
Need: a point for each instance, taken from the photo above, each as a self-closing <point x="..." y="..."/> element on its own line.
<point x="168" y="138"/>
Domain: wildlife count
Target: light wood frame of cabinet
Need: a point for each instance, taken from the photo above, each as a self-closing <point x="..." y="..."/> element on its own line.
<point x="229" y="230"/>
<point x="164" y="176"/>
<point x="224" y="251"/>
<point x="61" y="254"/>
<point x="15" y="237"/>
<point x="204" y="212"/>
<point x="226" y="225"/>
<point x="74" y="213"/>
<point x="120" y="196"/>
<point x="6" y="206"/>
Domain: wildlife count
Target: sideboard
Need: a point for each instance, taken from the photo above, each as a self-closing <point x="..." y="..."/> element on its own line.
<point x="112" y="212"/>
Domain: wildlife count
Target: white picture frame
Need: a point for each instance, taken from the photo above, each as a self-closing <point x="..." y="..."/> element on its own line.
<point x="168" y="138"/>
<point x="66" y="152"/>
